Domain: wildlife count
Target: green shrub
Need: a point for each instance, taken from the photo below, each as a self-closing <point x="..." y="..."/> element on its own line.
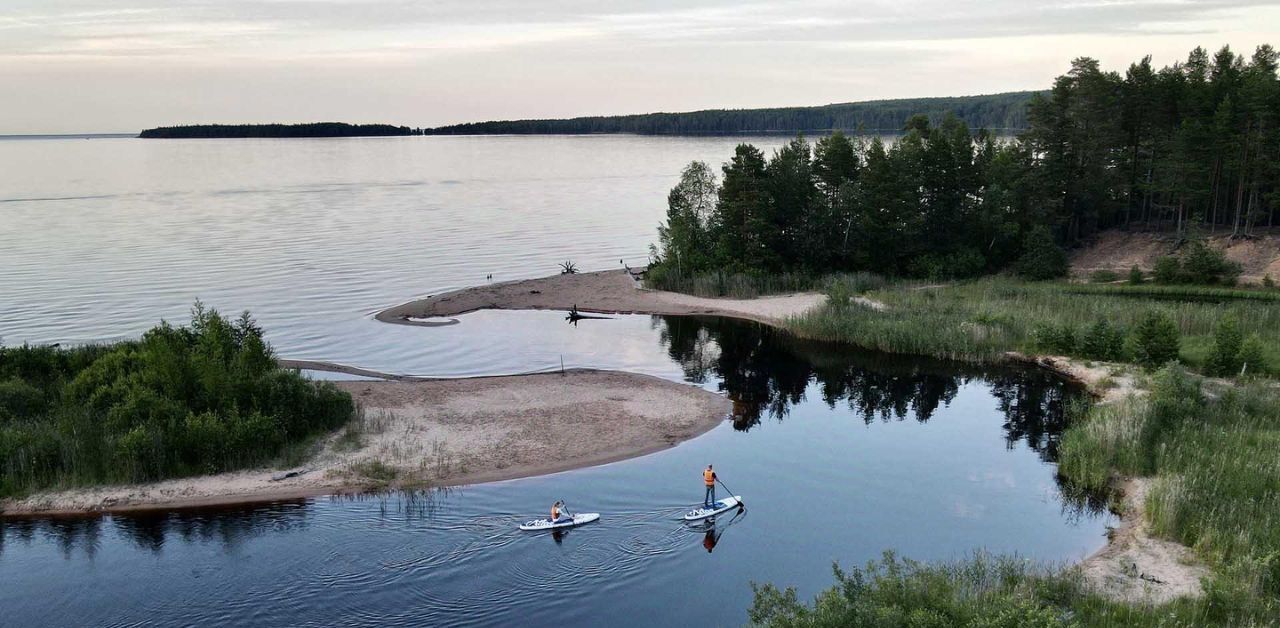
<point x="1268" y="282"/>
<point x="18" y="399"/>
<point x="182" y="400"/>
<point x="1156" y="340"/>
<point x="986" y="592"/>
<point x="1227" y="341"/>
<point x="1203" y="264"/>
<point x="1059" y="339"/>
<point x="1041" y="258"/>
<point x="1253" y="357"/>
<point x="1102" y="341"/>
<point x="1167" y="270"/>
<point x="1136" y="277"/>
<point x="1105" y="275"/>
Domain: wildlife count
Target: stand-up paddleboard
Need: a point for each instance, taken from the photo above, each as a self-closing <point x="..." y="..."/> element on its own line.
<point x="545" y="524"/>
<point x="724" y="505"/>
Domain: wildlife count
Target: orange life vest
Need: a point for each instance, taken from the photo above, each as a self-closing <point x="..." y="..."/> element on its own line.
<point x="709" y="477"/>
<point x="555" y="513"/>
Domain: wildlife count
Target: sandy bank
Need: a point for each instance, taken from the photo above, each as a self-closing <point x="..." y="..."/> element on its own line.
<point x="603" y="292"/>
<point x="445" y="433"/>
<point x="1133" y="566"/>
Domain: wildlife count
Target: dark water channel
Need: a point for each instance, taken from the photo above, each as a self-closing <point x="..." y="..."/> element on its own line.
<point x="840" y="456"/>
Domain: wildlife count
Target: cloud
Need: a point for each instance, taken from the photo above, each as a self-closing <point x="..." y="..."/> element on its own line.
<point x="127" y="64"/>
<point x="285" y="28"/>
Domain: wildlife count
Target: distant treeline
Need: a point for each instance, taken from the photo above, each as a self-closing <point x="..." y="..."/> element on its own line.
<point x="316" y="129"/>
<point x="994" y="111"/>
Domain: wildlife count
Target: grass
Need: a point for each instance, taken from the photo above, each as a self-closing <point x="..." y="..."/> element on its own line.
<point x="744" y="286"/>
<point x="1211" y="451"/>
<point x="1177" y="292"/>
<point x="981" y="319"/>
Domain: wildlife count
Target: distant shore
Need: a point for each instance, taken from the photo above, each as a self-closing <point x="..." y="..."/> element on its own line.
<point x="316" y="129"/>
<point x="602" y="292"/>
<point x="425" y="433"/>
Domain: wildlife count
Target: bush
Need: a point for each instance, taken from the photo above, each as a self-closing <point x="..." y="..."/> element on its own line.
<point x="1059" y="339"/>
<point x="1104" y="275"/>
<point x="1135" y="276"/>
<point x="1156" y="340"/>
<point x="1102" y="341"/>
<point x="982" y="592"/>
<point x="1227" y="341"/>
<point x="18" y="399"/>
<point x="1168" y="270"/>
<point x="1041" y="258"/>
<point x="180" y="401"/>
<point x="1268" y="282"/>
<point x="1203" y="264"/>
<point x="1253" y="358"/>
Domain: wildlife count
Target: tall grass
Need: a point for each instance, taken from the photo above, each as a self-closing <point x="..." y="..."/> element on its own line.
<point x="978" y="320"/>
<point x="746" y="286"/>
<point x="1177" y="292"/>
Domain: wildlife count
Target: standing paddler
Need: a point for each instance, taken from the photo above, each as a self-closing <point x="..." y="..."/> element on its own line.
<point x="709" y="479"/>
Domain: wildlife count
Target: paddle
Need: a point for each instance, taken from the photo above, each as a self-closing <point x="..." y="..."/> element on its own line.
<point x="741" y="504"/>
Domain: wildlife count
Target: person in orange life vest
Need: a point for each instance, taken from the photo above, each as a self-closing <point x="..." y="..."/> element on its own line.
<point x="709" y="479"/>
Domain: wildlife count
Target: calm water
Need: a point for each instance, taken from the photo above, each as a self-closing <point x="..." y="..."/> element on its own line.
<point x="101" y="238"/>
<point x="840" y="456"/>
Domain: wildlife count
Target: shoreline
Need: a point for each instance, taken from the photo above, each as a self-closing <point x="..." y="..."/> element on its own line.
<point x="599" y="292"/>
<point x="437" y="433"/>
<point x="1124" y="568"/>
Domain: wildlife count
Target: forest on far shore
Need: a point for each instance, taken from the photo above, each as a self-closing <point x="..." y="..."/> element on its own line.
<point x="1005" y="111"/>
<point x="315" y="129"/>
<point x="1192" y="148"/>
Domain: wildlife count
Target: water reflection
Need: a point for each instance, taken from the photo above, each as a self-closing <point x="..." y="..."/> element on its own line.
<point x="230" y="527"/>
<point x="712" y="530"/>
<point x="765" y="372"/>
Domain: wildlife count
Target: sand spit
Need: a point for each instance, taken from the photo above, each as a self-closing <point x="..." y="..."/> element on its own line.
<point x="416" y="433"/>
<point x="603" y="292"/>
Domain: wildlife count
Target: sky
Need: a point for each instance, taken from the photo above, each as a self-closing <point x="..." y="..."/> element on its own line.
<point x="73" y="66"/>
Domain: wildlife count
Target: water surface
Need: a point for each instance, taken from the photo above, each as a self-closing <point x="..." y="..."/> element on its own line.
<point x="840" y="455"/>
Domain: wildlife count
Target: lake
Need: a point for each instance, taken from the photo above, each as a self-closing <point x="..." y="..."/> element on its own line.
<point x="839" y="455"/>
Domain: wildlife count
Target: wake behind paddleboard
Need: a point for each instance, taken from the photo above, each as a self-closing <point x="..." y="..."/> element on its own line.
<point x="545" y="524"/>
<point x="724" y="505"/>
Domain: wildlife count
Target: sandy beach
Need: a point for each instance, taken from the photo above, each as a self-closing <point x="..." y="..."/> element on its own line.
<point x="449" y="432"/>
<point x="603" y="292"/>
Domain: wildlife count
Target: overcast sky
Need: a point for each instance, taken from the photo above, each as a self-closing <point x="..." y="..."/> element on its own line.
<point x="122" y="65"/>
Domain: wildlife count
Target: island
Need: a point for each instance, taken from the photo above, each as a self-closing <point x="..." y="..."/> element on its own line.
<point x="314" y="129"/>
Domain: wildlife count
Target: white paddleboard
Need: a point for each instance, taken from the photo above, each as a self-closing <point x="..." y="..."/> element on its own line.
<point x="724" y="505"/>
<point x="545" y="524"/>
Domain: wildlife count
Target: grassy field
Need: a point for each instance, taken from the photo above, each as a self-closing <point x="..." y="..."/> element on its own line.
<point x="1212" y="453"/>
<point x="981" y="319"/>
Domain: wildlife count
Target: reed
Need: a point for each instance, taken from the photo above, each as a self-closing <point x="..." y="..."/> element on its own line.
<point x="979" y="320"/>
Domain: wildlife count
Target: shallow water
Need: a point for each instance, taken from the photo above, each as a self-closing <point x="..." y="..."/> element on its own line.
<point x="839" y="455"/>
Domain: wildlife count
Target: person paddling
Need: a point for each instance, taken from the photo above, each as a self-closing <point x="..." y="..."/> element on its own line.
<point x="558" y="509"/>
<point x="709" y="479"/>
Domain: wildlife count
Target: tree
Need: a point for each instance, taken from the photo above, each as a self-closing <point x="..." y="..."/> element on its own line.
<point x="1156" y="340"/>
<point x="1041" y="257"/>
<point x="685" y="238"/>
<point x="1227" y="341"/>
<point x="743" y="227"/>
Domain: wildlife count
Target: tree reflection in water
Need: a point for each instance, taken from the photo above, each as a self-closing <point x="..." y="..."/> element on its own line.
<point x="765" y="371"/>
